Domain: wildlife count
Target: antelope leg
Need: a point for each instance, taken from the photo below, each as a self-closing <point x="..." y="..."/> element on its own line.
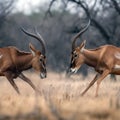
<point x="10" y="79"/>
<point x="90" y="84"/>
<point x="24" y="78"/>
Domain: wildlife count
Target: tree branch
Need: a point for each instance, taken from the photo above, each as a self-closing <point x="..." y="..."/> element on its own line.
<point x="117" y="8"/>
<point x="49" y="9"/>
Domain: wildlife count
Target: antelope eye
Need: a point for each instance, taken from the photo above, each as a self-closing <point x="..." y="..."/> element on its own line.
<point x="44" y="57"/>
<point x="40" y="60"/>
<point x="76" y="55"/>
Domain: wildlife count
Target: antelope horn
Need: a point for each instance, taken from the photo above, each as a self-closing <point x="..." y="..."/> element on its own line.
<point x="38" y="37"/>
<point x="43" y="42"/>
<point x="80" y="33"/>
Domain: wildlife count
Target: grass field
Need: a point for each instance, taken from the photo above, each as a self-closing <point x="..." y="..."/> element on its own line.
<point x="60" y="99"/>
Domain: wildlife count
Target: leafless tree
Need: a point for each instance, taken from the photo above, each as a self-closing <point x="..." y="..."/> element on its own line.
<point x="6" y="7"/>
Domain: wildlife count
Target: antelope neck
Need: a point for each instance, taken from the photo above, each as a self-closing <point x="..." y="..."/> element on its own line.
<point x="90" y="57"/>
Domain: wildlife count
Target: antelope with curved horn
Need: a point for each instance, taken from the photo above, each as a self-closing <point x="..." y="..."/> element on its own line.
<point x="13" y="62"/>
<point x="104" y="59"/>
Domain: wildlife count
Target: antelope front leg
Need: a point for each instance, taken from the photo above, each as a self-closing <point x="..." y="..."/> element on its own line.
<point x="10" y="79"/>
<point x="103" y="75"/>
<point x="90" y="84"/>
<point x="98" y="79"/>
<point x="23" y="77"/>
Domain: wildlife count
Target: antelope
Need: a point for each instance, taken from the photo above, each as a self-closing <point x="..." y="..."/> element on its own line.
<point x="104" y="59"/>
<point x="13" y="62"/>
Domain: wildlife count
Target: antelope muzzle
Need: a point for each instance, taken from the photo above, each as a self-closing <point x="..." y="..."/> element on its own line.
<point x="43" y="74"/>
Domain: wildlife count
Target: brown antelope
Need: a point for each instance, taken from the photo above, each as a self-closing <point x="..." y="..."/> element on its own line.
<point x="104" y="59"/>
<point x="13" y="62"/>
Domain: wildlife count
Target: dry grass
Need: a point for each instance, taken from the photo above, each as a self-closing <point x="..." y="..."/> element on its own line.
<point x="60" y="99"/>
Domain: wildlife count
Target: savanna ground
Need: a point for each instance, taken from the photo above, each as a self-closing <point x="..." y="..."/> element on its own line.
<point x="60" y="99"/>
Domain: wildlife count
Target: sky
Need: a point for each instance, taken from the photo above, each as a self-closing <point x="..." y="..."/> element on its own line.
<point x="26" y="5"/>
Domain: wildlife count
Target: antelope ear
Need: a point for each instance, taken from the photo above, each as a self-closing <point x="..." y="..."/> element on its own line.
<point x="82" y="46"/>
<point x="32" y="49"/>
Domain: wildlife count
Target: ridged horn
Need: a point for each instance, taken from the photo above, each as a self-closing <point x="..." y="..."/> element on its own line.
<point x="79" y="34"/>
<point x="38" y="37"/>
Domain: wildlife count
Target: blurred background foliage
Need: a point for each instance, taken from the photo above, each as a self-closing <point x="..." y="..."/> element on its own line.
<point x="58" y="21"/>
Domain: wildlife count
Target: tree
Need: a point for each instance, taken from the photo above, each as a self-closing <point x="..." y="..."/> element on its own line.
<point x="6" y="7"/>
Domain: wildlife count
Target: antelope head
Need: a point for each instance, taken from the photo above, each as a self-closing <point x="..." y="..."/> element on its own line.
<point x="38" y="61"/>
<point x="77" y="57"/>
